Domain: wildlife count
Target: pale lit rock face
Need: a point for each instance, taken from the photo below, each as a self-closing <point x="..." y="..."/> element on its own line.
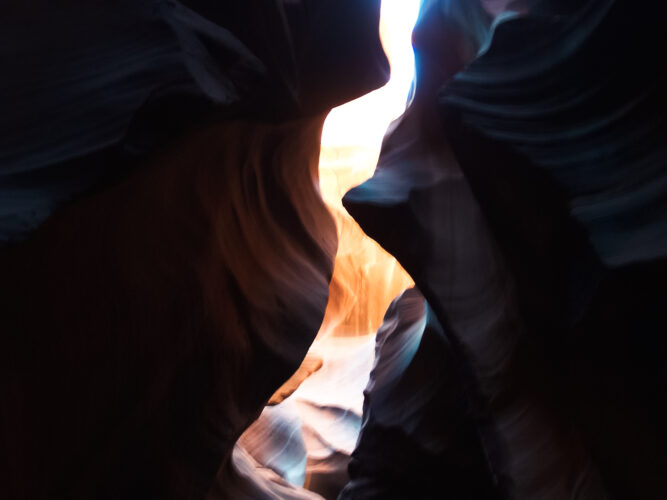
<point x="529" y="251"/>
<point x="275" y="440"/>
<point x="251" y="481"/>
<point x="308" y="438"/>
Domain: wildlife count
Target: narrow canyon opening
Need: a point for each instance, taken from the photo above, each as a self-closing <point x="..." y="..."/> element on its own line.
<point x="321" y="404"/>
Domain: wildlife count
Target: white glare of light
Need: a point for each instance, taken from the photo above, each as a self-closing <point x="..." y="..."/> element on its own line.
<point x="363" y="122"/>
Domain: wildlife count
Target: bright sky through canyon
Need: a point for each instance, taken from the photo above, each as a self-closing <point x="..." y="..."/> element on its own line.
<point x="361" y="121"/>
<point x="366" y="279"/>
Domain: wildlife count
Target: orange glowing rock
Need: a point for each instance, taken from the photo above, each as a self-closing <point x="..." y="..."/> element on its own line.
<point x="366" y="278"/>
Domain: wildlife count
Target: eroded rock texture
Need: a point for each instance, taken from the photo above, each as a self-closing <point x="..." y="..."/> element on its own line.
<point x="417" y="440"/>
<point x="167" y="253"/>
<point x="533" y="223"/>
<point x="308" y="438"/>
<point x="90" y="89"/>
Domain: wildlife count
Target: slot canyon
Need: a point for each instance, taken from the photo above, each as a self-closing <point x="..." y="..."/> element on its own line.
<point x="333" y="249"/>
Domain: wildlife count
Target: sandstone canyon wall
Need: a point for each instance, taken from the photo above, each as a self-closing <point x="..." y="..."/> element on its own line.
<point x="166" y="253"/>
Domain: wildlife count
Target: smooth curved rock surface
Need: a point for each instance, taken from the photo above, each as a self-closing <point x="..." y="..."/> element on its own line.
<point x="146" y="327"/>
<point x="151" y="311"/>
<point x="585" y="107"/>
<point x="560" y="355"/>
<point x="417" y="439"/>
<point x="251" y="481"/>
<point x="308" y="438"/>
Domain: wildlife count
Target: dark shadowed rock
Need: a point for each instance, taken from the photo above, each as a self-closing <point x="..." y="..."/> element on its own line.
<point x="170" y="253"/>
<point x="417" y="439"/>
<point x="533" y="223"/>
